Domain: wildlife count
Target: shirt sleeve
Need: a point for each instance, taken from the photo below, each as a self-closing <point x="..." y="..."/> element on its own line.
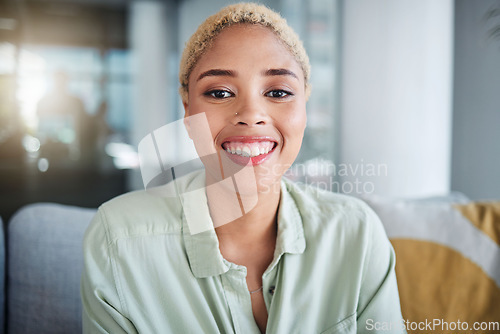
<point x="379" y="308"/>
<point x="103" y="306"/>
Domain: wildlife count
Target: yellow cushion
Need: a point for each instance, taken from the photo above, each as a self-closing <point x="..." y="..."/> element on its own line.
<point x="447" y="260"/>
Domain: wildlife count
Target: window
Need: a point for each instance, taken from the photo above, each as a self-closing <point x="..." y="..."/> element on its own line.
<point x="317" y="22"/>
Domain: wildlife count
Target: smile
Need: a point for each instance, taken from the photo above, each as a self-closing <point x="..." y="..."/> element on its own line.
<point x="248" y="150"/>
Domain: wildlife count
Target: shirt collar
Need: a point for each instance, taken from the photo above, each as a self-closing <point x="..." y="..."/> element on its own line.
<point x="205" y="258"/>
<point x="290" y="226"/>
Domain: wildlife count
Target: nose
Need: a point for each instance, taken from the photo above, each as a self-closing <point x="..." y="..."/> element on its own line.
<point x="251" y="112"/>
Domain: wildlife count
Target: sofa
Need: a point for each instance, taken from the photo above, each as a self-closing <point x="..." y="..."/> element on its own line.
<point x="43" y="269"/>
<point x="447" y="262"/>
<point x="447" y="255"/>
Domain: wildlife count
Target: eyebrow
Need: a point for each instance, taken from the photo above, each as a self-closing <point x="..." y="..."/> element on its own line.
<point x="230" y="73"/>
<point x="279" y="71"/>
<point x="215" y="73"/>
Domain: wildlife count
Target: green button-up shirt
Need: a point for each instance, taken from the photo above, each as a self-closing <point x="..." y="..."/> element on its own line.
<point x="144" y="272"/>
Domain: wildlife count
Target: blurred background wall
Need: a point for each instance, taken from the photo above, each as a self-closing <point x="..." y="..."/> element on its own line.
<point x="396" y="92"/>
<point x="405" y="94"/>
<point x="475" y="168"/>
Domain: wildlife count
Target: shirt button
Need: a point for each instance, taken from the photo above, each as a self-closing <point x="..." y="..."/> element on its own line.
<point x="271" y="290"/>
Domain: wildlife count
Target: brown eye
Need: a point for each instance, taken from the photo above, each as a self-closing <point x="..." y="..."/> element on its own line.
<point x="218" y="94"/>
<point x="278" y="93"/>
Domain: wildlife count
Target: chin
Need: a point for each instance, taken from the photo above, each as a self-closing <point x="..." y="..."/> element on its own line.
<point x="267" y="182"/>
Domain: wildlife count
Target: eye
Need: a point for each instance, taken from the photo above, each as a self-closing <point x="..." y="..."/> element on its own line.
<point x="278" y="93"/>
<point x="218" y="94"/>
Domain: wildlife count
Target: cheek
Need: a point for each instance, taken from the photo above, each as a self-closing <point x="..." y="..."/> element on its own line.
<point x="215" y="118"/>
<point x="292" y="129"/>
<point x="302" y="121"/>
<point x="296" y="123"/>
<point x="215" y="123"/>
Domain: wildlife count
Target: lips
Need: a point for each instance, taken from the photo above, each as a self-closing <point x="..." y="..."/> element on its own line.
<point x="242" y="149"/>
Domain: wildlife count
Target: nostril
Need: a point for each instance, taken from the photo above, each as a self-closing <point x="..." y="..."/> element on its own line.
<point x="257" y="123"/>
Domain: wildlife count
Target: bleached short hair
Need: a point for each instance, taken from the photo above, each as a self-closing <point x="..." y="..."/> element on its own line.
<point x="241" y="13"/>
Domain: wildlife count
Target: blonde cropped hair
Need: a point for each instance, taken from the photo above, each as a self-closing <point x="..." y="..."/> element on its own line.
<point x="249" y="13"/>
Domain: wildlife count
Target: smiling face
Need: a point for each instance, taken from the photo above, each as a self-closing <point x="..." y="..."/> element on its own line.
<point x="251" y="90"/>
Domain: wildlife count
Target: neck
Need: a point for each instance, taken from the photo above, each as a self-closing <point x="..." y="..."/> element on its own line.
<point x="255" y="227"/>
<point x="235" y="226"/>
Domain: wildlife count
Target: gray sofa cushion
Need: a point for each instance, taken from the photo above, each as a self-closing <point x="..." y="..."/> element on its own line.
<point x="2" y="278"/>
<point x="44" y="264"/>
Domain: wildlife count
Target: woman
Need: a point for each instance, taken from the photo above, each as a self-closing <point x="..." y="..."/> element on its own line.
<point x="279" y="258"/>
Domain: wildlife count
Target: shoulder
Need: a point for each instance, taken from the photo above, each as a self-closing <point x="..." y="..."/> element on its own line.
<point x="331" y="217"/>
<point x="145" y="212"/>
<point x="313" y="201"/>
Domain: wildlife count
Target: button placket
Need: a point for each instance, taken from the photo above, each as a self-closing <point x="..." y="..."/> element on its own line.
<point x="238" y="298"/>
<point x="269" y="284"/>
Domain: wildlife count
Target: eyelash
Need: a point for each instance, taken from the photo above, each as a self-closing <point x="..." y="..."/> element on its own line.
<point x="212" y="94"/>
<point x="282" y="91"/>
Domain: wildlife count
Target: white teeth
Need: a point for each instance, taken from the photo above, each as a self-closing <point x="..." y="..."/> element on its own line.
<point x="246" y="151"/>
<point x="250" y="149"/>
<point x="255" y="151"/>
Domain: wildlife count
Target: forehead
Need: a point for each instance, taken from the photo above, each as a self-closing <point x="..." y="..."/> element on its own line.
<point x="243" y="32"/>
<point x="245" y="44"/>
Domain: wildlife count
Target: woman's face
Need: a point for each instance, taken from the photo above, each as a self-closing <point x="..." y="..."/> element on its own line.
<point x="251" y="90"/>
